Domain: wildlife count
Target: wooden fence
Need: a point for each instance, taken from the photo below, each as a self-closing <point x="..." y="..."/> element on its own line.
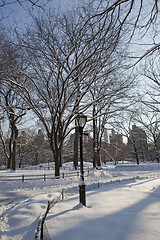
<point x="40" y="177"/>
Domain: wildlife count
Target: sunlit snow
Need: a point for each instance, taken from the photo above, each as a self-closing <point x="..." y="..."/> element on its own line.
<point x="123" y="202"/>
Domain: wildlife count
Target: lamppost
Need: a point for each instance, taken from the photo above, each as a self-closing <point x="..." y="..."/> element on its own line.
<point x="81" y="120"/>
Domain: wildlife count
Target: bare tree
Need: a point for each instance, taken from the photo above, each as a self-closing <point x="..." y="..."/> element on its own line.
<point x="11" y="104"/>
<point x="124" y="124"/>
<point x="15" y="13"/>
<point x="116" y="99"/>
<point x="63" y="59"/>
<point x="141" y="16"/>
<point x="33" y="2"/>
<point x="58" y="70"/>
<point x="63" y="54"/>
<point x="149" y="120"/>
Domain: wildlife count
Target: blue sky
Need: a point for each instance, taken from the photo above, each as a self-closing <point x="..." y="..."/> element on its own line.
<point x="13" y="15"/>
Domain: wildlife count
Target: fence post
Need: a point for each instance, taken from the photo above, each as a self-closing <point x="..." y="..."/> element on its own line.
<point x="63" y="175"/>
<point x="44" y="177"/>
<point x="22" y="178"/>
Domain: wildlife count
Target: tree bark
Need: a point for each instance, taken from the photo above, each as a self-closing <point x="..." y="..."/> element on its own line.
<point x="57" y="163"/>
<point x="98" y="158"/>
<point x="136" y="154"/>
<point x="9" y="165"/>
<point x="14" y="148"/>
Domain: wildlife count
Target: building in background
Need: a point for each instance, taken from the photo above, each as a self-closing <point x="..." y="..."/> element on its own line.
<point x="137" y="144"/>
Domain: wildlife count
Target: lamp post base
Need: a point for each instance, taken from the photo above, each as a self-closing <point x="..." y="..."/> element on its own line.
<point x="82" y="194"/>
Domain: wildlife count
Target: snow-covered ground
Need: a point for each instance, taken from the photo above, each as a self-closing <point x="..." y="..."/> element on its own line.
<point x="125" y="206"/>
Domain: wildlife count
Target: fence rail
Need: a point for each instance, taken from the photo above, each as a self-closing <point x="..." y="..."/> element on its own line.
<point x="42" y="177"/>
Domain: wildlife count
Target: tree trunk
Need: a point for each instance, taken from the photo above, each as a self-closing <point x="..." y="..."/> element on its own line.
<point x="60" y="160"/>
<point x="56" y="154"/>
<point x="9" y="164"/>
<point x="20" y="158"/>
<point x="59" y="142"/>
<point x="57" y="163"/>
<point x="98" y="158"/>
<point x="14" y="148"/>
<point x="157" y="152"/>
<point x="4" y="146"/>
<point x="136" y="154"/>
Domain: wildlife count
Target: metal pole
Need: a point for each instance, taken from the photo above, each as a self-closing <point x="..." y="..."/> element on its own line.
<point x="82" y="184"/>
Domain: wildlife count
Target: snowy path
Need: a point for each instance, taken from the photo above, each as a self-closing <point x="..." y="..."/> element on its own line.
<point x="126" y="210"/>
<point x="22" y="221"/>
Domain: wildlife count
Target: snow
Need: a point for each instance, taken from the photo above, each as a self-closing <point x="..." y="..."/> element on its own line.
<point x="122" y="202"/>
<point x="114" y="212"/>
